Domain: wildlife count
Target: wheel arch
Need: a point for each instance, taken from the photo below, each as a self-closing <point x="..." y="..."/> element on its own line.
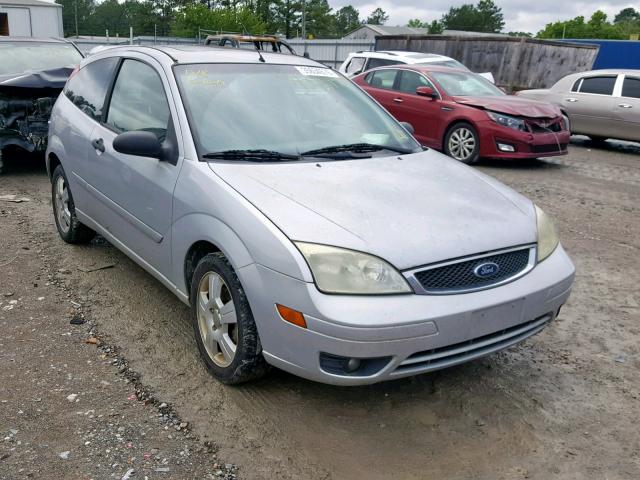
<point x="197" y="234"/>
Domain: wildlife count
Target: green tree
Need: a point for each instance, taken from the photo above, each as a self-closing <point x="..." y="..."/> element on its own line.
<point x="596" y="27"/>
<point x="435" y="27"/>
<point x="628" y="14"/>
<point x="347" y="19"/>
<point x="377" y="17"/>
<point x="486" y="16"/>
<point x="416" y="23"/>
<point x="287" y="16"/>
<point x="520" y="34"/>
<point x="189" y="19"/>
<point x="84" y="10"/>
<point x="320" y="22"/>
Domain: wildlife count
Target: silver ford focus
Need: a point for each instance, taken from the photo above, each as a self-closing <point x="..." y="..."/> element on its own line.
<point x="303" y="225"/>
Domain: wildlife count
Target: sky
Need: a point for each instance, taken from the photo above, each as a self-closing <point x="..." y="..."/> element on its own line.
<point x="520" y="15"/>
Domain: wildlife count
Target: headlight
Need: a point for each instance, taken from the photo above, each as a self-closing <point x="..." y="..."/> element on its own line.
<point x="507" y="121"/>
<point x="338" y="270"/>
<point x="547" y="236"/>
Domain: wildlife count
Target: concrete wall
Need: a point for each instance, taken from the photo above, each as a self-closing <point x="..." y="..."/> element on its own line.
<point x="516" y="63"/>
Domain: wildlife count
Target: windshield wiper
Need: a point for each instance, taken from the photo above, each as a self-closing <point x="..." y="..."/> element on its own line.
<point x="252" y="155"/>
<point x="356" y="148"/>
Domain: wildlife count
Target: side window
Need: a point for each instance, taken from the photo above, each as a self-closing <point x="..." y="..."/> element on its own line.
<point x="410" y="81"/>
<point x="382" y="78"/>
<point x="138" y="101"/>
<point x="631" y="87"/>
<point x="88" y="87"/>
<point x="598" y="85"/>
<point x="355" y="66"/>
<point x="576" y="86"/>
<point x="380" y="62"/>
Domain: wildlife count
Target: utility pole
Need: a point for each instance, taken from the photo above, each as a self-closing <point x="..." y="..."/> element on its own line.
<point x="304" y="19"/>
<point x="75" y="5"/>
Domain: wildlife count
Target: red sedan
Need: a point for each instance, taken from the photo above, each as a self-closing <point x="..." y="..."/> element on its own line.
<point x="464" y="115"/>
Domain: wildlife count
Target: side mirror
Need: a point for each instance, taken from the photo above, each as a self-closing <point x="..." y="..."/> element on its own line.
<point x="426" y="92"/>
<point x="139" y="143"/>
<point x="408" y="127"/>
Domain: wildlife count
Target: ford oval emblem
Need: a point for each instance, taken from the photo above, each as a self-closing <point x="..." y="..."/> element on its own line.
<point x="486" y="270"/>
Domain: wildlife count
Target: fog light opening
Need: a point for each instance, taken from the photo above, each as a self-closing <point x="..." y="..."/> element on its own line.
<point x="351" y="366"/>
<point x="505" y="147"/>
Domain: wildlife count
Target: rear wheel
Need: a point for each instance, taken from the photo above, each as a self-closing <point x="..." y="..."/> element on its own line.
<point x="224" y="327"/>
<point x="3" y="168"/>
<point x="462" y="143"/>
<point x="64" y="211"/>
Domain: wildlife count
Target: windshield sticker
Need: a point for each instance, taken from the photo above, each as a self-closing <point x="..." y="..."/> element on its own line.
<point x="375" y="138"/>
<point x="317" y="72"/>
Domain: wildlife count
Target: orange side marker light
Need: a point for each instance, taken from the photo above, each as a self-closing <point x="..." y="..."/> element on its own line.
<point x="292" y="316"/>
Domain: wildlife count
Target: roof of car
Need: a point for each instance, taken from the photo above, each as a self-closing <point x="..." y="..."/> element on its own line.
<point x="421" y="67"/>
<point x="208" y="54"/>
<point x="404" y="55"/>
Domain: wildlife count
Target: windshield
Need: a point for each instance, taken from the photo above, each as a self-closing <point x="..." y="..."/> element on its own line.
<point x="21" y="57"/>
<point x="282" y="108"/>
<point x="460" y="84"/>
<point x="449" y="63"/>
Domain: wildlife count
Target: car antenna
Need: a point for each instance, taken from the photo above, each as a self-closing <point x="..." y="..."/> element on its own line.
<point x="260" y="57"/>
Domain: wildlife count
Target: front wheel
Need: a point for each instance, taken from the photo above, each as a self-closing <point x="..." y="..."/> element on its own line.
<point x="224" y="327"/>
<point x="462" y="143"/>
<point x="64" y="211"/>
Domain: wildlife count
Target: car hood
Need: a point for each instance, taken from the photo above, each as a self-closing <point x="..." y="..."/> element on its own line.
<point x="512" y="105"/>
<point x="54" y="79"/>
<point x="410" y="210"/>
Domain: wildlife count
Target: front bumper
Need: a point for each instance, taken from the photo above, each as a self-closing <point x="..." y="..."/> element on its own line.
<point x="414" y="333"/>
<point x="524" y="144"/>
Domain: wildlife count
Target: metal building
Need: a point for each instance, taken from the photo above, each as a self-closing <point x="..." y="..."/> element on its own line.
<point x="30" y="18"/>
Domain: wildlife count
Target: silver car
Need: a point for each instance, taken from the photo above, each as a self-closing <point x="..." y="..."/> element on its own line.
<point x="303" y="225"/>
<point x="601" y="103"/>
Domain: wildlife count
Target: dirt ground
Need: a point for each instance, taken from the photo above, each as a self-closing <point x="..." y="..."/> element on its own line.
<point x="563" y="405"/>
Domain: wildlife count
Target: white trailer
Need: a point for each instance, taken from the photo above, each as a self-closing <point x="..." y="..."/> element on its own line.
<point x="30" y="18"/>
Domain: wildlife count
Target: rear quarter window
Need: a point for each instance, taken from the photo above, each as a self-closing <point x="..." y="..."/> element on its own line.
<point x="87" y="89"/>
<point x="631" y="87"/>
<point x="598" y="85"/>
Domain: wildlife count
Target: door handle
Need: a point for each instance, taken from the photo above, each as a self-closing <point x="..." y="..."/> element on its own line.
<point x="397" y="100"/>
<point x="571" y="99"/>
<point x="98" y="144"/>
<point x="625" y="105"/>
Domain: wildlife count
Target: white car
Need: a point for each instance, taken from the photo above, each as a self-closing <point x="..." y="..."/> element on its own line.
<point x="358" y="62"/>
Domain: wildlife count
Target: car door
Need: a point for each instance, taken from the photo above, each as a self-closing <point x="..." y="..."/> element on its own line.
<point x="626" y="108"/>
<point x="136" y="193"/>
<point x="423" y="113"/>
<point x="86" y="89"/>
<point x="380" y="85"/>
<point x="590" y="105"/>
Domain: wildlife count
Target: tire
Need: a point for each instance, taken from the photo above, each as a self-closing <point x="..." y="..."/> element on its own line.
<point x="70" y="229"/>
<point x="462" y="143"/>
<point x="598" y="140"/>
<point x="3" y="165"/>
<point x="231" y="351"/>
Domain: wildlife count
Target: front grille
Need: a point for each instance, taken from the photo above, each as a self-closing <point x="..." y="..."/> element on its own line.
<point x="442" y="357"/>
<point x="461" y="275"/>
<point x="540" y="126"/>
<point x="549" y="148"/>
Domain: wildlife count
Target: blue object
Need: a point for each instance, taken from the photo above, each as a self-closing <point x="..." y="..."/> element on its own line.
<point x="615" y="53"/>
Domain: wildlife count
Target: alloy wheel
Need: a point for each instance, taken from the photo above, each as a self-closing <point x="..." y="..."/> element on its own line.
<point x="217" y="319"/>
<point x="462" y="143"/>
<point x="61" y="200"/>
